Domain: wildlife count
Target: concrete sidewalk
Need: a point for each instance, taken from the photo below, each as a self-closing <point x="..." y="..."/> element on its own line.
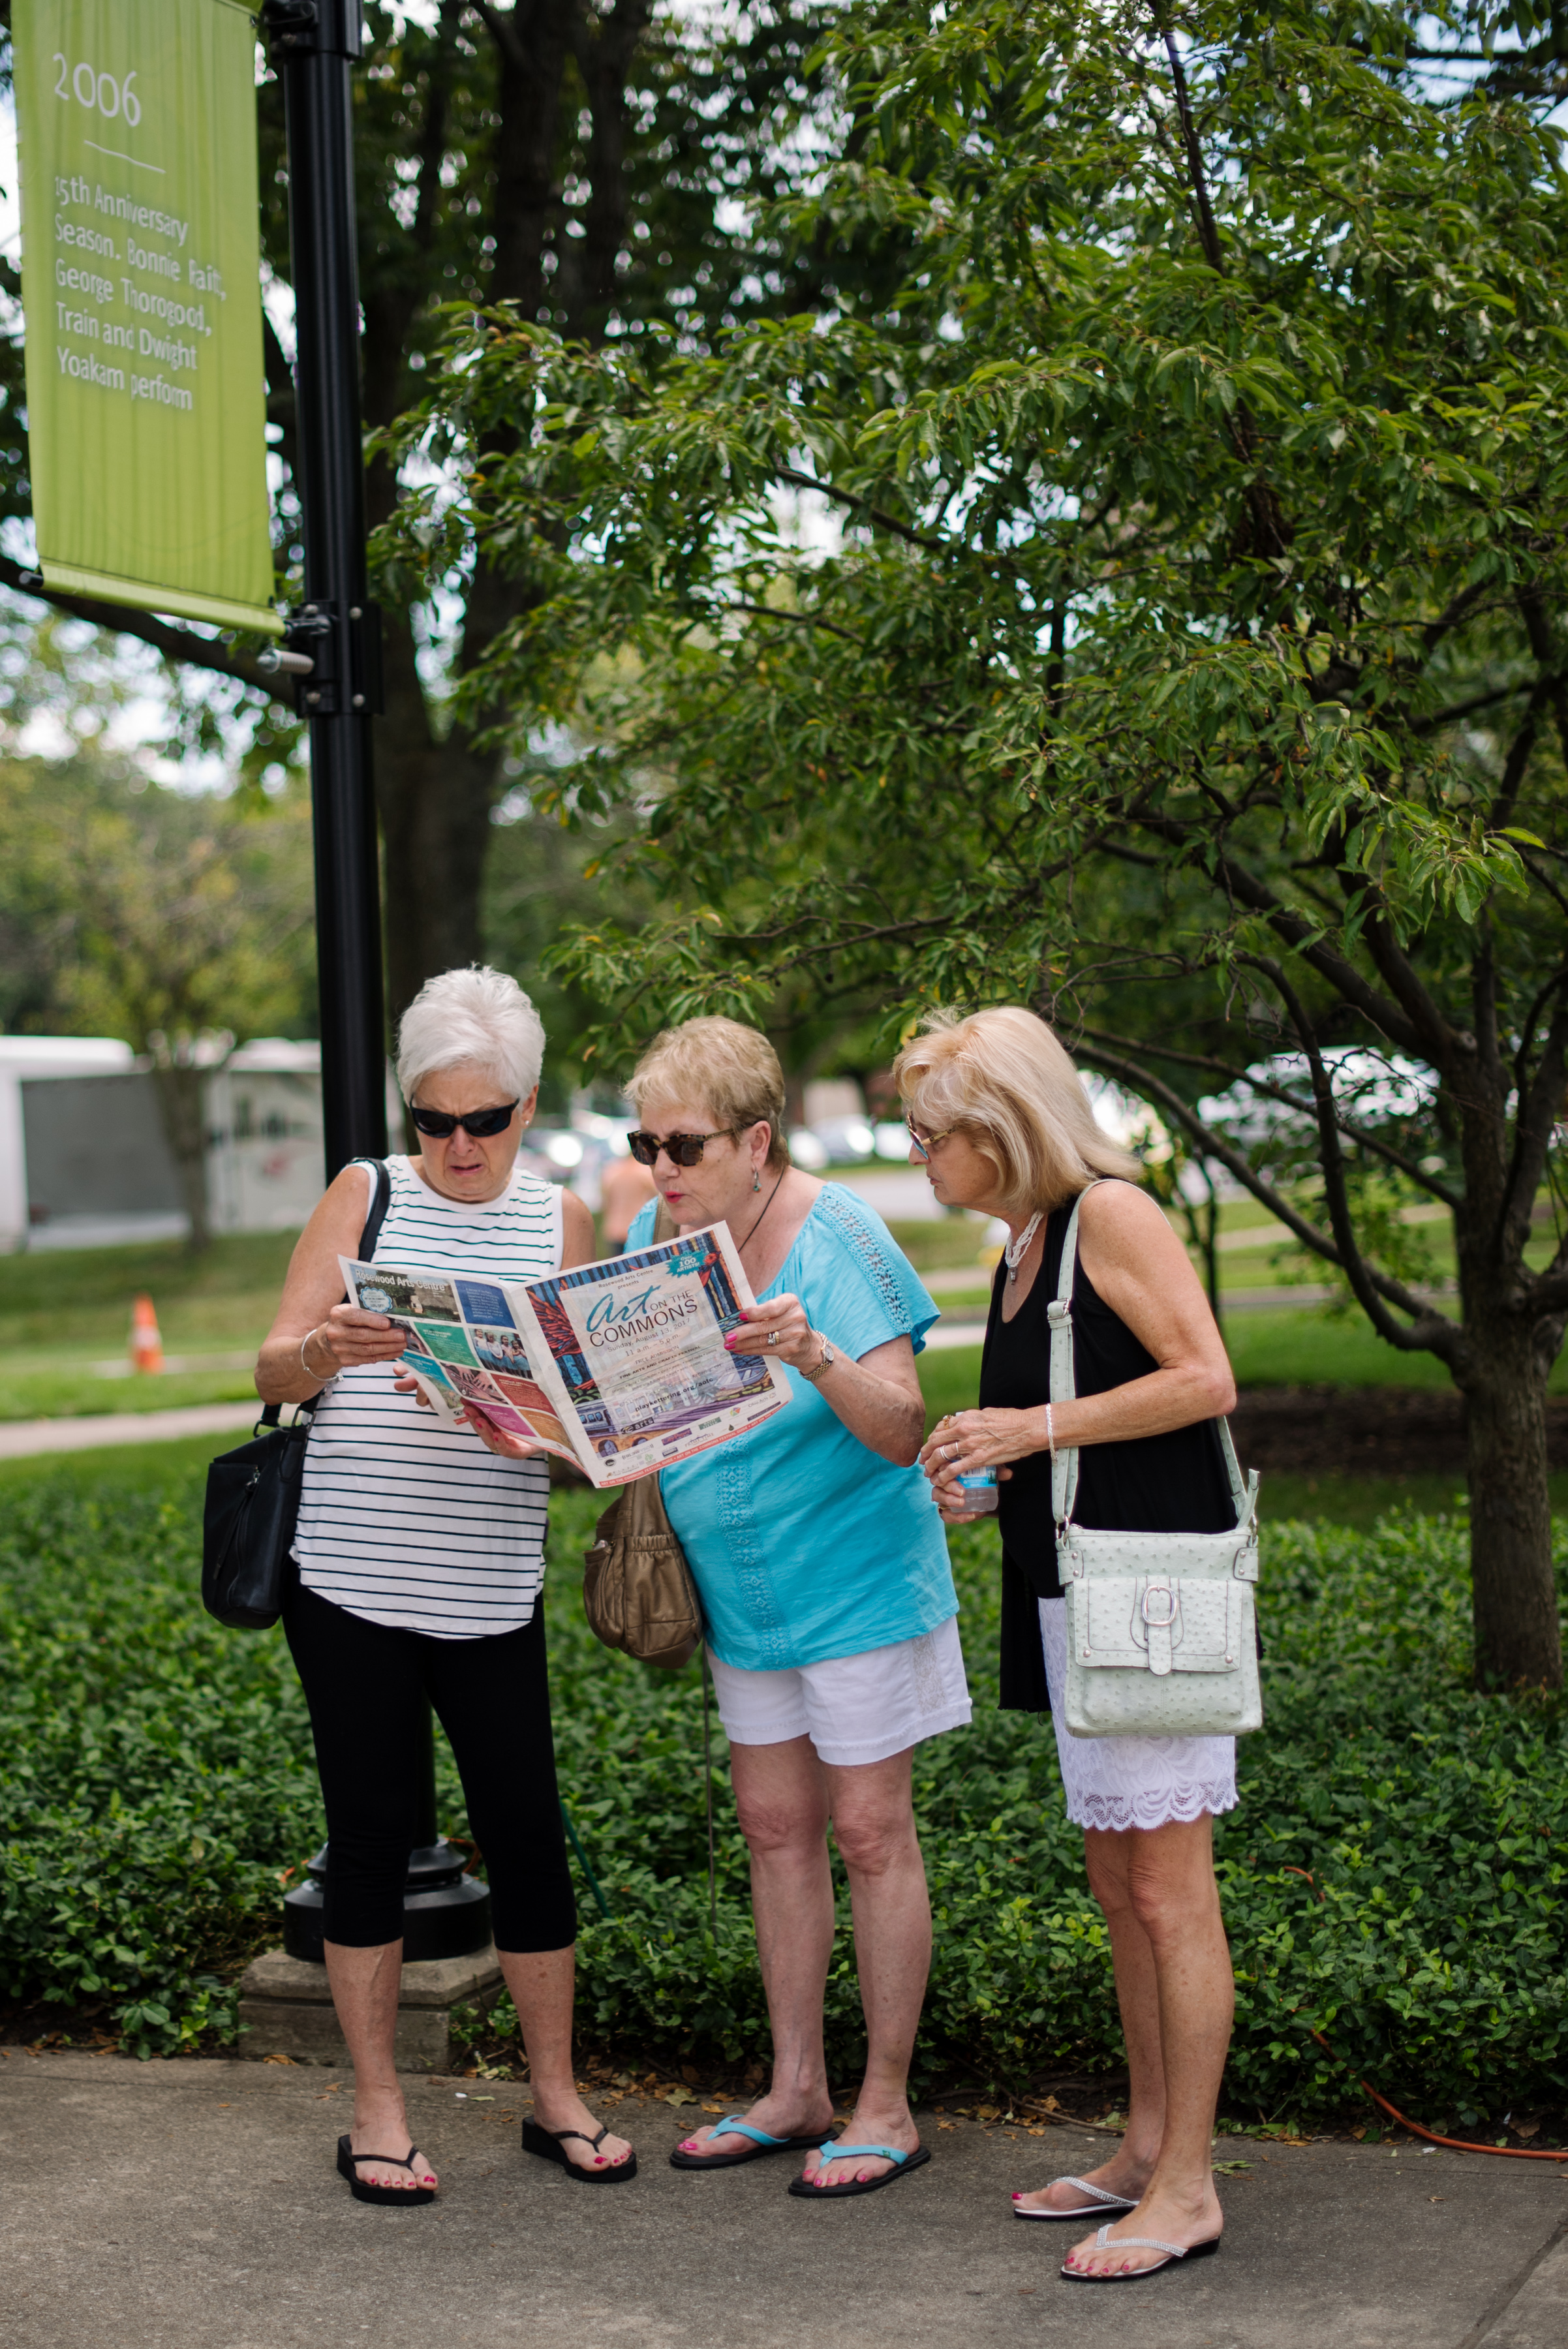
<point x="194" y="2206"/>
<point x="21" y="1438"/>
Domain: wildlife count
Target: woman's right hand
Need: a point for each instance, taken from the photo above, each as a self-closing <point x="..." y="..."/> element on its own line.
<point x="350" y="1337"/>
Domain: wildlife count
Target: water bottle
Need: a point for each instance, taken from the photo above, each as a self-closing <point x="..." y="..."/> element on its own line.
<point x="977" y="1491"/>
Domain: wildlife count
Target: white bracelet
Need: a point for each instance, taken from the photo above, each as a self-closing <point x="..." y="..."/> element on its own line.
<point x="1051" y="1430"/>
<point x="305" y="1366"/>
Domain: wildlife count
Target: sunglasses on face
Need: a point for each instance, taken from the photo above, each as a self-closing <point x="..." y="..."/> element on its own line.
<point x="680" y="1149"/>
<point x="479" y="1124"/>
<point x="924" y="1143"/>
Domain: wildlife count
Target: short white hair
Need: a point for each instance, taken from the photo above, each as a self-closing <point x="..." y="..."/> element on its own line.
<point x="475" y="1017"/>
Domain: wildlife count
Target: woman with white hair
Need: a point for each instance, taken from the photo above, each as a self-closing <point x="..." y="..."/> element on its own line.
<point x="421" y="1555"/>
<point x="998" y="1116"/>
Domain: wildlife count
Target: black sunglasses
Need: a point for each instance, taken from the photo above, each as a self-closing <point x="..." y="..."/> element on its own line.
<point x="680" y="1149"/>
<point x="479" y="1124"/>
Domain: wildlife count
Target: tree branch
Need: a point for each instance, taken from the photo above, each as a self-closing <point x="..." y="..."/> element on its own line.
<point x="1540" y="1107"/>
<point x="1538" y="630"/>
<point x="1457" y="709"/>
<point x="502" y="32"/>
<point x="1429" y="1332"/>
<point x="1209" y="234"/>
<point x="863" y="505"/>
<point x="1272" y="1092"/>
<point x="798" y="620"/>
<point x="1331" y="1158"/>
<point x="1297" y="933"/>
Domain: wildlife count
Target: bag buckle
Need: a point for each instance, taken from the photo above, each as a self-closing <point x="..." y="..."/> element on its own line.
<point x="1059" y="1313"/>
<point x="1157" y="1629"/>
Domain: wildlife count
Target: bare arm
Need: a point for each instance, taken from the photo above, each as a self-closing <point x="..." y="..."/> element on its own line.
<point x="878" y="1398"/>
<point x="576" y="1232"/>
<point x="311" y="1313"/>
<point x="1142" y="1271"/>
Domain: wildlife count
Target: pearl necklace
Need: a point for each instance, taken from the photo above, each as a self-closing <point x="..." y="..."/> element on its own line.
<point x="1016" y="1251"/>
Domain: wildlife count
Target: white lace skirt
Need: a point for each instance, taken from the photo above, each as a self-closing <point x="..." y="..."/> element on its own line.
<point x="1131" y="1782"/>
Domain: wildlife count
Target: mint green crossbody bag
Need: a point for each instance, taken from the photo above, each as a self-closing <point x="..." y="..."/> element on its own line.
<point x="1161" y="1631"/>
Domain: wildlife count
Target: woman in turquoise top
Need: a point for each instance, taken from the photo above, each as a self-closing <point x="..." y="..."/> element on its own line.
<point x="823" y="1567"/>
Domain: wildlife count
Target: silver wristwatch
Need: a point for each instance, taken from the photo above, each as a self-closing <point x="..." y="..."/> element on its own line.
<point x="825" y="1362"/>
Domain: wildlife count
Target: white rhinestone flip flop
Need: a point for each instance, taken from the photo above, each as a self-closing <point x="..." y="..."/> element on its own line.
<point x="1173" y="2253"/>
<point x="1102" y="2200"/>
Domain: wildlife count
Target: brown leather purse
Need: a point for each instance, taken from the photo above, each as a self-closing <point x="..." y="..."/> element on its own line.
<point x="638" y="1590"/>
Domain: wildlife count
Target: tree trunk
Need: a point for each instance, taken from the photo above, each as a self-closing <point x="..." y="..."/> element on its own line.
<point x="1517" y="1634"/>
<point x="183" y="1113"/>
<point x="435" y="800"/>
<point x="435" y="793"/>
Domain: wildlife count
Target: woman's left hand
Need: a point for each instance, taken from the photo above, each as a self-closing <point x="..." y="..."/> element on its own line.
<point x="499" y="1440"/>
<point x="796" y="1342"/>
<point x="969" y="1439"/>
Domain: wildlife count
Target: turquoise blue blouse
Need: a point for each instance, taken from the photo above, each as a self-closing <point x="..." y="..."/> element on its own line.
<point x="805" y="1544"/>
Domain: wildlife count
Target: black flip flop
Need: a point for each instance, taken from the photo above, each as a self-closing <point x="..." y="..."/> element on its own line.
<point x="547" y="2144"/>
<point x="902" y="2164"/>
<point x="734" y="2126"/>
<point x="394" y="2197"/>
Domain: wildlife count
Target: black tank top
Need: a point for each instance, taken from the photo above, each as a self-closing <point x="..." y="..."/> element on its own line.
<point x="1158" y="1483"/>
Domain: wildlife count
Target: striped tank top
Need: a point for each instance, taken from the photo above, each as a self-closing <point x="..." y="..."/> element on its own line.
<point x="402" y="1519"/>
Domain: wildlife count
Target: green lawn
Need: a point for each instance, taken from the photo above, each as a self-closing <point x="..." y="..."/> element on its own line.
<point x="59" y="1313"/>
<point x="1311" y="1347"/>
<point x="80" y="1298"/>
<point x="62" y="1311"/>
<point x="117" y="1468"/>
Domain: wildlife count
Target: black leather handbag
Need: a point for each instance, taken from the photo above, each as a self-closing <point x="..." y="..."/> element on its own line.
<point x="252" y="1494"/>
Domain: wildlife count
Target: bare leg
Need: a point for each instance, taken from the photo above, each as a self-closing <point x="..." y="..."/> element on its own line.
<point x="1166" y="1876"/>
<point x="365" y="1984"/>
<point x="781" y="1797"/>
<point x="874" y="1827"/>
<point x="1131" y="2165"/>
<point x="541" y="1983"/>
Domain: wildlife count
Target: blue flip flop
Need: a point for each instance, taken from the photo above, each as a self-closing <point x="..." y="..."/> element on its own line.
<point x="902" y="2164"/>
<point x="733" y="2125"/>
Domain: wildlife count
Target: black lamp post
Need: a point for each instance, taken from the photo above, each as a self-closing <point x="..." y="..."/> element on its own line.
<point x="332" y="648"/>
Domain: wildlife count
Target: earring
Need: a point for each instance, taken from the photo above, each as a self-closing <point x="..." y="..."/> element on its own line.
<point x="756" y="1180"/>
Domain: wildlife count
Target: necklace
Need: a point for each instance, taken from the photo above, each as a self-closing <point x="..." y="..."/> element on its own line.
<point x="1016" y="1251"/>
<point x="767" y="1203"/>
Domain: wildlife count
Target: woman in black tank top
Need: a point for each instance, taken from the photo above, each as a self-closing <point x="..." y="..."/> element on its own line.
<point x="1173" y="1483"/>
<point x="1000" y="1120"/>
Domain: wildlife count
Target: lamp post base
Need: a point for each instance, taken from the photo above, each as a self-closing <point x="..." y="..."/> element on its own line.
<point x="285" y="2009"/>
<point x="446" y="1914"/>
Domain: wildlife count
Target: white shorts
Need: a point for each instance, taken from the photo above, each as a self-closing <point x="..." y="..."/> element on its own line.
<point x="853" y="1708"/>
<point x="1131" y="1782"/>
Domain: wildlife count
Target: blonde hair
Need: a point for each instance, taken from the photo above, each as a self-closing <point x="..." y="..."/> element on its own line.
<point x="732" y="1068"/>
<point x="1001" y="1078"/>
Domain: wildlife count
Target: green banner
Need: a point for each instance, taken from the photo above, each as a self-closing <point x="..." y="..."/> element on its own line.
<point x="140" y="285"/>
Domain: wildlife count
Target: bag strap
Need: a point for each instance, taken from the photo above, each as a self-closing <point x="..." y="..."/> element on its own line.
<point x="1064" y="1389"/>
<point x="380" y="1200"/>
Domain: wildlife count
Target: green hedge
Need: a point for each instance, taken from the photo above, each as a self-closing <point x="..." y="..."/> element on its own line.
<point x="156" y="1783"/>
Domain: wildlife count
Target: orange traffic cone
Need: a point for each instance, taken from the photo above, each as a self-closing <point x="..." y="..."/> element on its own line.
<point x="146" y="1345"/>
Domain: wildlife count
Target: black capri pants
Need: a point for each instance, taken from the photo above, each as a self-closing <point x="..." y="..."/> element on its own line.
<point x="363" y="1682"/>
